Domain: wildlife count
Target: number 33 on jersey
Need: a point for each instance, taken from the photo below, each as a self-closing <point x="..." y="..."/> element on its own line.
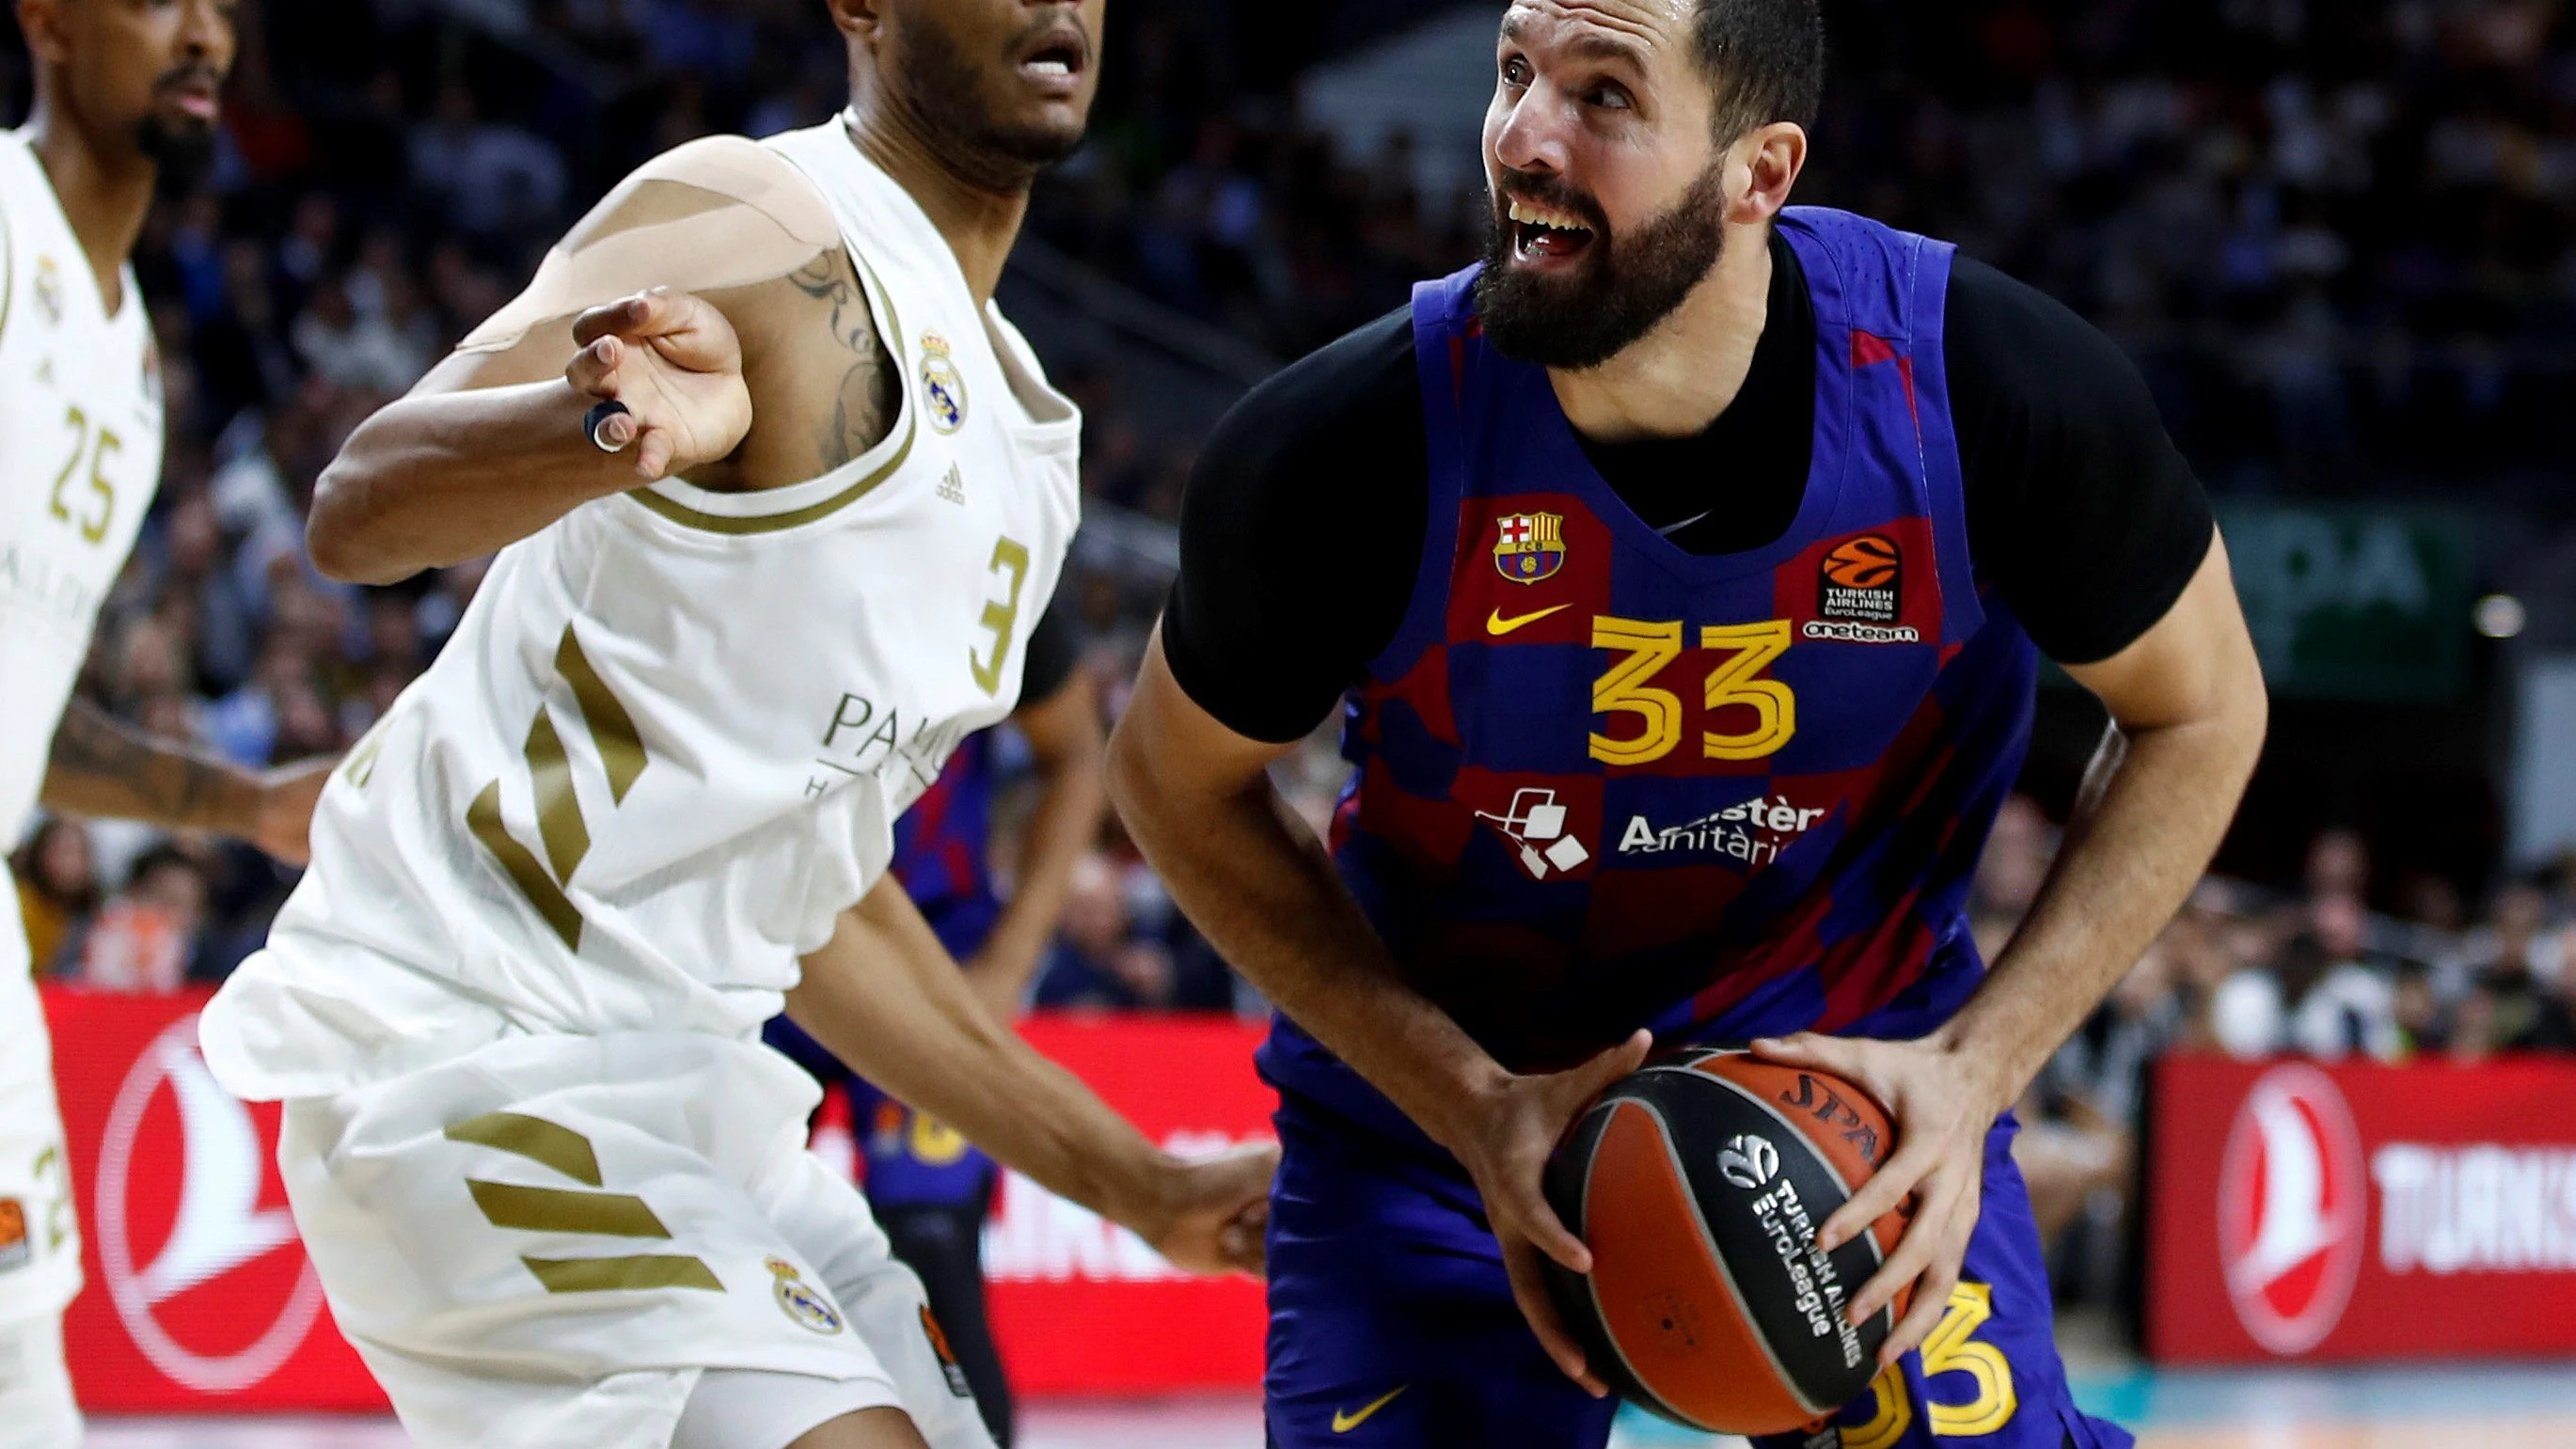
<point x="1599" y="700"/>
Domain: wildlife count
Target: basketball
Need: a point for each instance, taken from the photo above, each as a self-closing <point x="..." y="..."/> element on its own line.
<point x="1699" y="1183"/>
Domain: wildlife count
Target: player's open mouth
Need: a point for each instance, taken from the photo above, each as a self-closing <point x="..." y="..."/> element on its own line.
<point x="1055" y="60"/>
<point x="1543" y="234"/>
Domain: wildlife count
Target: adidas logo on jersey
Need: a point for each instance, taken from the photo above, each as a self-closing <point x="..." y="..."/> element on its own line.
<point x="952" y="488"/>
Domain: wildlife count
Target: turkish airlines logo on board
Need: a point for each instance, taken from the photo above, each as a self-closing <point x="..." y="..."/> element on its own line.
<point x="2292" y="1209"/>
<point x="213" y="1287"/>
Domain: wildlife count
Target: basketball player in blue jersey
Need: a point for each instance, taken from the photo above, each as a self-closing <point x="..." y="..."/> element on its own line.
<point x="931" y="1188"/>
<point x="1691" y="560"/>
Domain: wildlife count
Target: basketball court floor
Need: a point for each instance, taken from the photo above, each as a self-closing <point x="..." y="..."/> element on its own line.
<point x="2469" y="1407"/>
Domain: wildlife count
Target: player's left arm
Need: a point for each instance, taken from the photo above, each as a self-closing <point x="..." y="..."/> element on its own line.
<point x="2087" y="521"/>
<point x="884" y="997"/>
<point x="2187" y="718"/>
<point x="101" y="768"/>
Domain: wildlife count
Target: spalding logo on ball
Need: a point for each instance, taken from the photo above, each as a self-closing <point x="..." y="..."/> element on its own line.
<point x="1699" y="1183"/>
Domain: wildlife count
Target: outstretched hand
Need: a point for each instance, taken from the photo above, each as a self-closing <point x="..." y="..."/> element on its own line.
<point x="676" y="364"/>
<point x="1508" y="1139"/>
<point x="1943" y="1104"/>
<point x="1219" y="1211"/>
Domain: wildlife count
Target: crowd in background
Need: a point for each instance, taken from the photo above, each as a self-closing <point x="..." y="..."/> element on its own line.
<point x="2336" y="236"/>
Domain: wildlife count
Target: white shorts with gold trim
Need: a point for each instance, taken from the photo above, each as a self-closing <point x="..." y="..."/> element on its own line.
<point x="40" y="1246"/>
<point x="545" y="1242"/>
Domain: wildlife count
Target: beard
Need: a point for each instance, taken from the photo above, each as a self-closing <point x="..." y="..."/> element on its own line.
<point x="941" y="85"/>
<point x="181" y="152"/>
<point x="1620" y="289"/>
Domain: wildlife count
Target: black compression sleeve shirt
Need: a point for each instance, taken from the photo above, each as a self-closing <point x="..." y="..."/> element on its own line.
<point x="1055" y="647"/>
<point x="2080" y="511"/>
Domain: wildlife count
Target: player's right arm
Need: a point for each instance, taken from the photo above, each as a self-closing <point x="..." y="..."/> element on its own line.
<point x="1253" y="878"/>
<point x="673" y="291"/>
<point x="1254" y="652"/>
<point x="883" y="996"/>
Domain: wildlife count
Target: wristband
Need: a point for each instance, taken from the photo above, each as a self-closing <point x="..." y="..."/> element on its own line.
<point x="597" y="418"/>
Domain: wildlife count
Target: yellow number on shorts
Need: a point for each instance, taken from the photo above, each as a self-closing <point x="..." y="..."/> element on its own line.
<point x="935" y="1143"/>
<point x="1952" y="1348"/>
<point x="58" y="1213"/>
<point x="1623" y="689"/>
<point x="1000" y="615"/>
<point x="1775" y="708"/>
<point x="1891" y="1413"/>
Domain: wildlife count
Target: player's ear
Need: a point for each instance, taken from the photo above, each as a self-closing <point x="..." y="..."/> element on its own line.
<point x="861" y="20"/>
<point x="41" y="21"/>
<point x="1762" y="166"/>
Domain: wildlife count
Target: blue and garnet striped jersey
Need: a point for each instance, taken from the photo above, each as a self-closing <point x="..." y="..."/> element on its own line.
<point x="1603" y="783"/>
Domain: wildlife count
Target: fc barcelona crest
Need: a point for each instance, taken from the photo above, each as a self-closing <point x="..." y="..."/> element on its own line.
<point x="1530" y="546"/>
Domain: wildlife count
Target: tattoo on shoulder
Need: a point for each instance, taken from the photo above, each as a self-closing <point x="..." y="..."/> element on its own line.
<point x="864" y="404"/>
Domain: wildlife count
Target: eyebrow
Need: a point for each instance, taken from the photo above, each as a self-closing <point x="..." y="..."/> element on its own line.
<point x="1589" y="44"/>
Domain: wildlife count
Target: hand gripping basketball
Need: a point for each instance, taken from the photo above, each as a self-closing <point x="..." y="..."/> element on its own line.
<point x="674" y="362"/>
<point x="1944" y="1103"/>
<point x="1505" y="1150"/>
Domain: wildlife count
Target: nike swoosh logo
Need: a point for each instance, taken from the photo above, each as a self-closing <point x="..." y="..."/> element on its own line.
<point x="1495" y="623"/>
<point x="1345" y="1421"/>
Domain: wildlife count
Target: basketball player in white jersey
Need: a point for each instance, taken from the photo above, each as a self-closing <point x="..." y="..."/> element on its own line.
<point x="555" y="1187"/>
<point x="123" y="91"/>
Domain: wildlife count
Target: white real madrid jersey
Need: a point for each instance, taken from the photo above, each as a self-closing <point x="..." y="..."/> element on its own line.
<point x="668" y="742"/>
<point x="80" y="457"/>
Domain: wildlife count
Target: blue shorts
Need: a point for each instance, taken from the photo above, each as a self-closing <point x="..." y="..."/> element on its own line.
<point x="1393" y="1327"/>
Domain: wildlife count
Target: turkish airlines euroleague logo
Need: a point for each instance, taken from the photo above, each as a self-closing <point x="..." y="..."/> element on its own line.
<point x="1861" y="579"/>
<point x="207" y="1278"/>
<point x="2291" y="1209"/>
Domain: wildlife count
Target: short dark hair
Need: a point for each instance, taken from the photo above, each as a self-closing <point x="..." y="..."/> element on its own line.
<point x="1766" y="58"/>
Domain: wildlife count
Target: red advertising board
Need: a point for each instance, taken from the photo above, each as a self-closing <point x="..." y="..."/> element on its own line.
<point x="200" y="1298"/>
<point x="1082" y="1307"/>
<point x="2301" y="1210"/>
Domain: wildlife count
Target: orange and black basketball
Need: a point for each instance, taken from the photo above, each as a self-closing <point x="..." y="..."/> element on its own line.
<point x="1866" y="562"/>
<point x="1699" y="1184"/>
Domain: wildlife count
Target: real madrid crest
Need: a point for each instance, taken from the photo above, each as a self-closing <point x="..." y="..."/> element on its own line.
<point x="1529" y="547"/>
<point x="943" y="387"/>
<point x="799" y="1300"/>
<point x="49" y="290"/>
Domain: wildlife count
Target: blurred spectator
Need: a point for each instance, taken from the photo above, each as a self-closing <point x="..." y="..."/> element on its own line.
<point x="2010" y="873"/>
<point x="358" y="351"/>
<point x="494" y="180"/>
<point x="2552" y="1025"/>
<point x="2423" y="1024"/>
<point x="57" y="883"/>
<point x="2324" y="996"/>
<point x="2515" y="943"/>
<point x="1097" y="963"/>
<point x="146" y="935"/>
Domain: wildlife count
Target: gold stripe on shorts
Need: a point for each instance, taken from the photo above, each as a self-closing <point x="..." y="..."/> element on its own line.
<point x="565" y="1210"/>
<point x="609" y="1275"/>
<point x="533" y="1138"/>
